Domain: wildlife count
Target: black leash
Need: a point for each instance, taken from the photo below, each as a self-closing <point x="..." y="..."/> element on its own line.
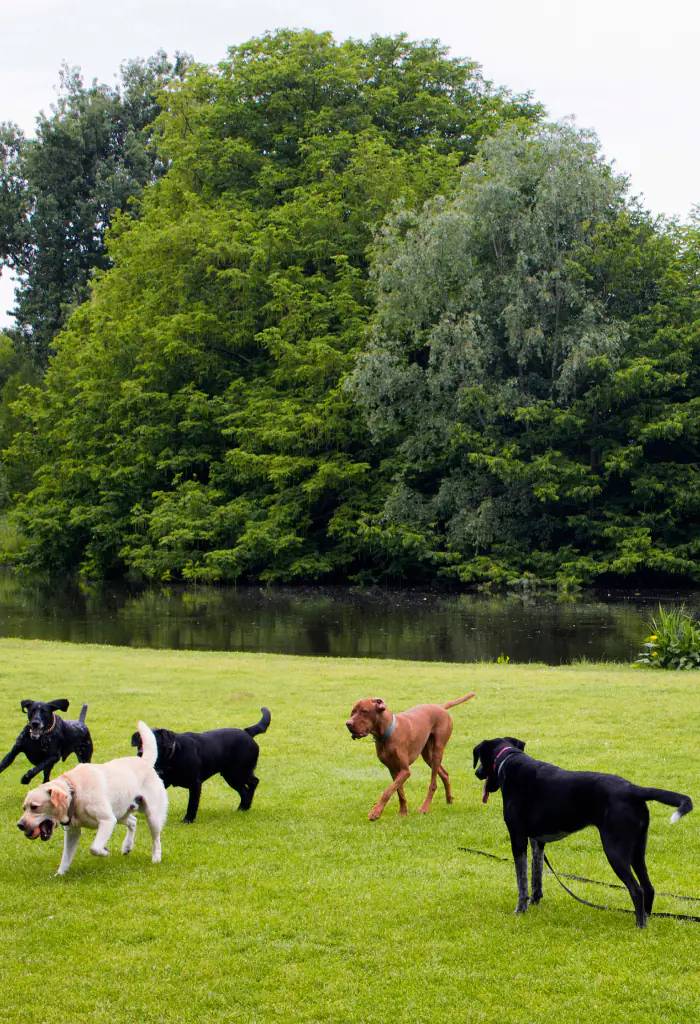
<point x="593" y="881"/>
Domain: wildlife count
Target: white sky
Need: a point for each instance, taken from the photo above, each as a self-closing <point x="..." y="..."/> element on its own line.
<point x="630" y="70"/>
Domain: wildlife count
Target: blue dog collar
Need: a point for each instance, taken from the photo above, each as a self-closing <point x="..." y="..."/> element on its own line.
<point x="388" y="733"/>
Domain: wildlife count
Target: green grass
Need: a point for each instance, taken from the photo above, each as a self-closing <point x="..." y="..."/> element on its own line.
<point x="301" y="910"/>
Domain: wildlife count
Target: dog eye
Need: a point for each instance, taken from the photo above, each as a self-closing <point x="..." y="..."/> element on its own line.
<point x="34" y="807"/>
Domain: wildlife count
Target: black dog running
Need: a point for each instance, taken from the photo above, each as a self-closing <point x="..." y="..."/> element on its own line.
<point x="47" y="738"/>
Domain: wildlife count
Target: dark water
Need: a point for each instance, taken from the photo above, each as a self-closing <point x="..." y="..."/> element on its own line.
<point x="338" y="622"/>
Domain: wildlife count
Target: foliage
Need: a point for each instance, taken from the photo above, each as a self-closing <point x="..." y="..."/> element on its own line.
<point x="59" y="191"/>
<point x="673" y="642"/>
<point x="193" y="422"/>
<point x="301" y="902"/>
<point x="532" y="373"/>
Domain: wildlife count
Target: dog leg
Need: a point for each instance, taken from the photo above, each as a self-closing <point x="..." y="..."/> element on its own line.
<point x="128" y="844"/>
<point x="192" y="803"/>
<point x="620" y="859"/>
<point x="445" y="776"/>
<point x="432" y="755"/>
<point x="9" y="757"/>
<point x="248" y="793"/>
<point x="156" y="810"/>
<point x="403" y="803"/>
<point x="398" y="782"/>
<point x="104" y="831"/>
<point x="640" y="869"/>
<point x="537" y="852"/>
<point x="519" y="849"/>
<point x="45" y="767"/>
<point x="71" y="835"/>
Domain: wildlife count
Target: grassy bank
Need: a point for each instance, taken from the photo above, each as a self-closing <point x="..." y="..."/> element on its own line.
<point x="302" y="910"/>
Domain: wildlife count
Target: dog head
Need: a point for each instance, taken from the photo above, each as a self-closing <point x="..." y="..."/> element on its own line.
<point x="365" y="716"/>
<point x="487" y="755"/>
<point x="41" y="715"/>
<point x="43" y="809"/>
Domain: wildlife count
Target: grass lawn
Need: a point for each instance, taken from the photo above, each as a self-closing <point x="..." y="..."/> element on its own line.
<point x="301" y="910"/>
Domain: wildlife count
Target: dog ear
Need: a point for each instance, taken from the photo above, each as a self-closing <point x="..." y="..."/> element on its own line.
<point x="520" y="744"/>
<point x="59" y="705"/>
<point x="477" y="753"/>
<point x="59" y="801"/>
<point x="379" y="704"/>
<point x="26" y="705"/>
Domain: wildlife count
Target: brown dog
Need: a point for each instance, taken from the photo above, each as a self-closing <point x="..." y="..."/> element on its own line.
<point x="400" y="738"/>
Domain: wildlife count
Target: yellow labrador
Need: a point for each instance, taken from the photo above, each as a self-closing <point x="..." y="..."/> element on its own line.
<point x="98" y="796"/>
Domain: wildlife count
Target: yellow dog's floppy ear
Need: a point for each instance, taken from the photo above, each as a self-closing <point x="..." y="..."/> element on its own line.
<point x="59" y="801"/>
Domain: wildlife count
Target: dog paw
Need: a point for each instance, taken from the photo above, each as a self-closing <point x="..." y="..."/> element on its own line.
<point x="26" y="778"/>
<point x="99" y="852"/>
<point x="534" y="900"/>
<point x="375" y="813"/>
<point x="187" y="821"/>
<point x="521" y="908"/>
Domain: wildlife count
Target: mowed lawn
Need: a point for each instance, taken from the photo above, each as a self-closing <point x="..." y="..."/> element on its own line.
<point x="302" y="910"/>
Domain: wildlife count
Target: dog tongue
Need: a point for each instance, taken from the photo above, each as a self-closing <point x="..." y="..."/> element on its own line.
<point x="485" y="795"/>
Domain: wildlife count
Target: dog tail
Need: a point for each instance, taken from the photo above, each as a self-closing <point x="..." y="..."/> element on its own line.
<point x="148" y="744"/>
<point x="83" y="713"/>
<point x="460" y="700"/>
<point x="665" y="796"/>
<point x="254" y="730"/>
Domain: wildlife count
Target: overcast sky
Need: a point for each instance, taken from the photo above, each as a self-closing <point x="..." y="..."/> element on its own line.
<point x="628" y="70"/>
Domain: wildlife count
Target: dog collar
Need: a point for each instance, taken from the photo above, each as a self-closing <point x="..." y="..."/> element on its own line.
<point x="388" y="733"/>
<point x="66" y="823"/>
<point x="501" y="751"/>
<point x="45" y="732"/>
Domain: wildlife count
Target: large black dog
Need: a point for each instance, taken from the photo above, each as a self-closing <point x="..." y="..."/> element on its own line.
<point x="543" y="803"/>
<point x="188" y="759"/>
<point x="46" y="738"/>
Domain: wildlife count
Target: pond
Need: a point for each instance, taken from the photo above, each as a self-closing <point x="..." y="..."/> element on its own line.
<point x="338" y="622"/>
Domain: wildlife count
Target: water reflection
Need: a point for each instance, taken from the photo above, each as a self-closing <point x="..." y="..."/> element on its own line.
<point x="336" y="622"/>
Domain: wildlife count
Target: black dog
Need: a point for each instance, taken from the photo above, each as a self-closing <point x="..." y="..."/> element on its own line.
<point x="47" y="739"/>
<point x="543" y="803"/>
<point x="188" y="759"/>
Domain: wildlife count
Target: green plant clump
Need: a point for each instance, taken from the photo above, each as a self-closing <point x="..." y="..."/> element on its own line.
<point x="673" y="641"/>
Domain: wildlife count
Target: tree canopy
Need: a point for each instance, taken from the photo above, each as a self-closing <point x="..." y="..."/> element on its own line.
<point x="533" y="372"/>
<point x="193" y="421"/>
<point x="343" y="311"/>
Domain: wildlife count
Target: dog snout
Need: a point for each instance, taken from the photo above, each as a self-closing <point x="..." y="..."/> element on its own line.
<point x="20" y="824"/>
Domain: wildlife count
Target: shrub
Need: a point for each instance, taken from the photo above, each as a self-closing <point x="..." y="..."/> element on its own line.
<point x="673" y="641"/>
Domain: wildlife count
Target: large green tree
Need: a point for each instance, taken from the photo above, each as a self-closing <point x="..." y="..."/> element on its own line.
<point x="532" y="373"/>
<point x="193" y="421"/>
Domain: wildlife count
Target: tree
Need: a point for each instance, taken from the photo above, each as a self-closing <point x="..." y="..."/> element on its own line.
<point x="59" y="191"/>
<point x="193" y="422"/>
<point x="521" y="352"/>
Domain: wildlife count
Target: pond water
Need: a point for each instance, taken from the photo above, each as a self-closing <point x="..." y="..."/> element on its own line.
<point x="339" y="622"/>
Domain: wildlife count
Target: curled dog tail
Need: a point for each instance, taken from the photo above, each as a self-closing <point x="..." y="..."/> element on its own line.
<point x="254" y="730"/>
<point x="665" y="796"/>
<point x="460" y="700"/>
<point x="83" y="713"/>
<point x="148" y="744"/>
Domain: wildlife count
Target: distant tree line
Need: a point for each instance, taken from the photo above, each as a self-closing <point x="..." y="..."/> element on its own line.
<point x="340" y="312"/>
